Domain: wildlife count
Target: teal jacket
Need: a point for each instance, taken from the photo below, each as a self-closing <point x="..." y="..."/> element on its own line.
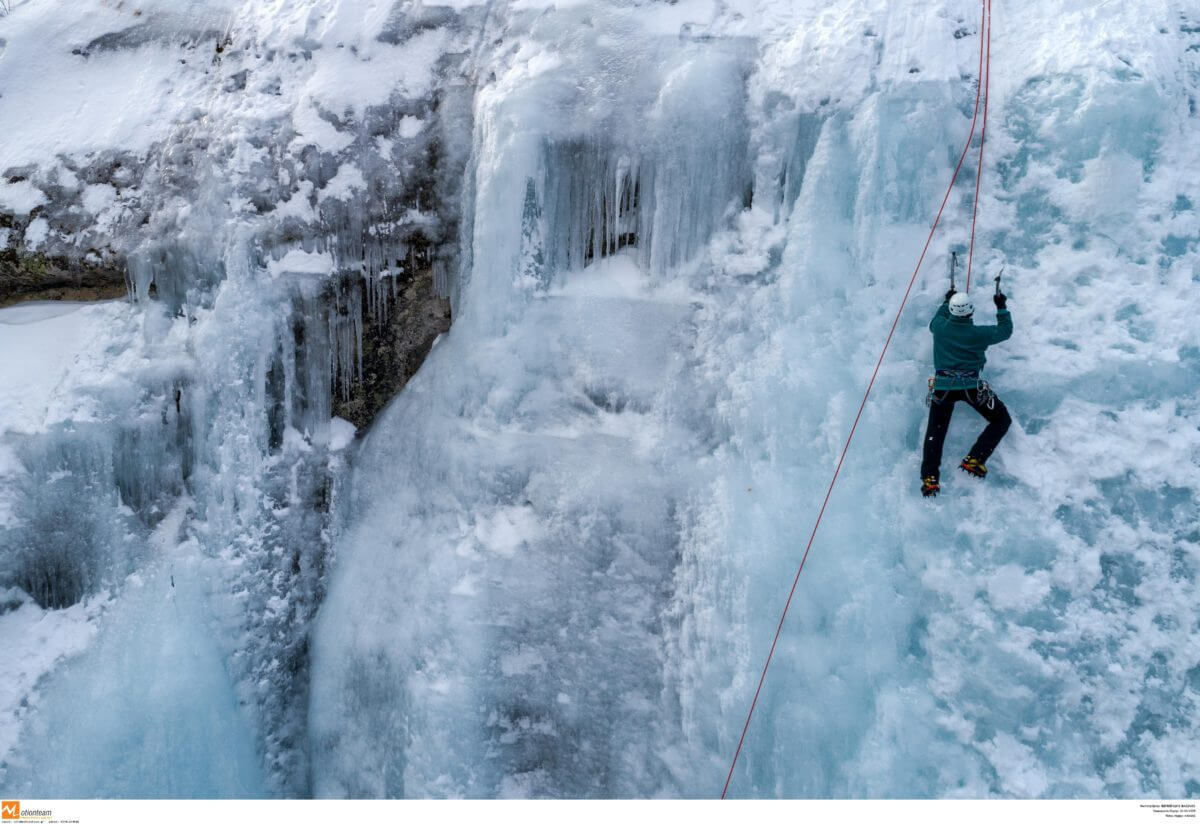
<point x="958" y="345"/>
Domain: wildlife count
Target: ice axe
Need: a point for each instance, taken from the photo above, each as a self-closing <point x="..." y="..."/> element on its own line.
<point x="953" y="266"/>
<point x="997" y="279"/>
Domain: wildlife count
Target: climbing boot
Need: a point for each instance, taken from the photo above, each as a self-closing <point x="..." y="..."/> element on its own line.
<point x="930" y="487"/>
<point x="973" y="466"/>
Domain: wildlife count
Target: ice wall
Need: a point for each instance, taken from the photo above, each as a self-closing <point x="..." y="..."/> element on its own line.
<point x="513" y="514"/>
<point x="162" y="719"/>
<point x="580" y="522"/>
<point x="1024" y="637"/>
<point x="561" y="553"/>
<point x="210" y="430"/>
<point x="279" y="182"/>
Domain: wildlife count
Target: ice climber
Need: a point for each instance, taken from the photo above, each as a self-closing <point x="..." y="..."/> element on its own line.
<point x="958" y="358"/>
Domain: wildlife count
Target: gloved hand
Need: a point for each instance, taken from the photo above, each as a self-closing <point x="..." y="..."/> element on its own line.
<point x="1000" y="300"/>
<point x="950" y="294"/>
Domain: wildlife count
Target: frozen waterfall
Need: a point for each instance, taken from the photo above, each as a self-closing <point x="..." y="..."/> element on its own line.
<point x="566" y="542"/>
<point x="674" y="236"/>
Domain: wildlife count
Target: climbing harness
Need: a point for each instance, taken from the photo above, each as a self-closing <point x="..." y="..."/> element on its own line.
<point x="984" y="396"/>
<point x="958" y="375"/>
<point x="985" y="31"/>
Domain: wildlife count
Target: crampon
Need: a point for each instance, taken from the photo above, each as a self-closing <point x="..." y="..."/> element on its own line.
<point x="973" y="466"/>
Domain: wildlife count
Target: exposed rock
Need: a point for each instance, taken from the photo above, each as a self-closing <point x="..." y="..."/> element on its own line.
<point x="41" y="277"/>
<point x="393" y="350"/>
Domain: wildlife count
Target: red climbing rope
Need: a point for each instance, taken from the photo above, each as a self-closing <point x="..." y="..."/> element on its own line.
<point x="983" y="72"/>
<point x="986" y="81"/>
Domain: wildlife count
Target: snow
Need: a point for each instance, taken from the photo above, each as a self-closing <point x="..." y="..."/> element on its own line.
<point x="36" y="640"/>
<point x="98" y="197"/>
<point x="21" y="197"/>
<point x="344" y="184"/>
<point x="50" y="350"/>
<point x="346" y="80"/>
<point x="78" y="104"/>
<point x="36" y="233"/>
<point x="341" y="434"/>
<point x="318" y="131"/>
<point x="108" y="78"/>
<point x="411" y="126"/>
<point x="298" y="205"/>
<point x="613" y="277"/>
<point x="1010" y="588"/>
<point x="298" y="261"/>
<point x="507" y="530"/>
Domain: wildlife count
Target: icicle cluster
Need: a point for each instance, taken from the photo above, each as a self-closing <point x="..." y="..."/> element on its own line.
<point x="599" y="199"/>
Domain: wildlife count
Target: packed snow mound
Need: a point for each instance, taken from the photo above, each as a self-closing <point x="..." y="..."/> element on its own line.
<point x="52" y="352"/>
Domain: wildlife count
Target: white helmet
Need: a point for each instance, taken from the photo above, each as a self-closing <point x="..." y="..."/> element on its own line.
<point x="960" y="305"/>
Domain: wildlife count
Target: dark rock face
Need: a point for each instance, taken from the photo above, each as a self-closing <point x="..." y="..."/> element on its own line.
<point x="70" y="244"/>
<point x="393" y="350"/>
<point x="57" y="277"/>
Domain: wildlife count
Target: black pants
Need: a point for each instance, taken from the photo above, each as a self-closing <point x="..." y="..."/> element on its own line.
<point x="940" y="410"/>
